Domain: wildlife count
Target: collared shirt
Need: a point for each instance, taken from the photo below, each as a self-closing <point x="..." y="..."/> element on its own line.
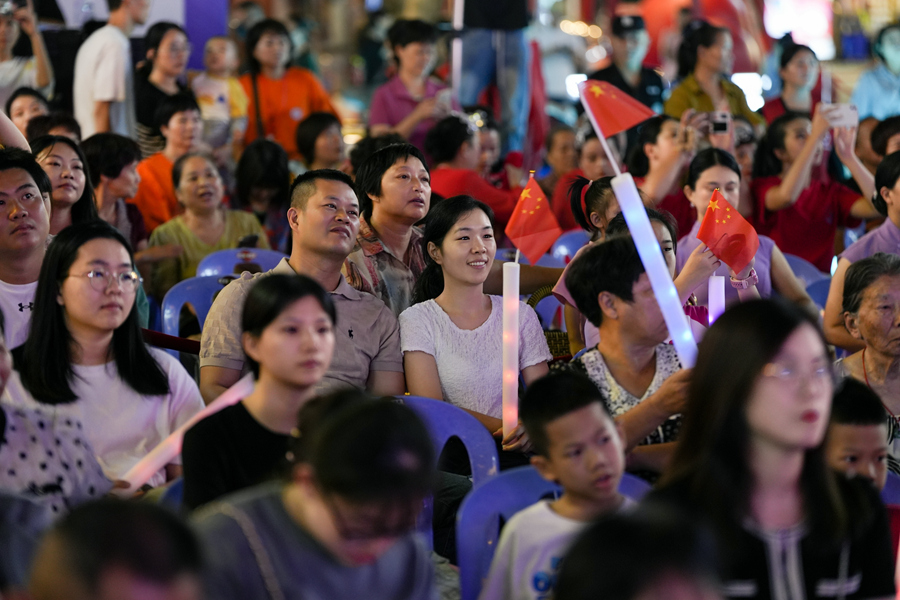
<point x="367" y="335"/>
<point x="877" y="93"/>
<point x="372" y="268"/>
<point x="392" y="103"/>
<point x="689" y="95"/>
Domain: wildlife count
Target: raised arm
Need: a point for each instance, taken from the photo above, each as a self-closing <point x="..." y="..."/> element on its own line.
<point x="833" y="321"/>
<point x="797" y="177"/>
<point x="10" y="136"/>
<point x="43" y="75"/>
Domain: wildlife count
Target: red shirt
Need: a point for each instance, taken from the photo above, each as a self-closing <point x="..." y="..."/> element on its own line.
<point x="807" y="227"/>
<point x="560" y="203"/>
<point x="453" y="182"/>
<point x="678" y="206"/>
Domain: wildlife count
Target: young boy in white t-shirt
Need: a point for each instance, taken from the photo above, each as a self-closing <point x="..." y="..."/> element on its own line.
<point x="580" y="447"/>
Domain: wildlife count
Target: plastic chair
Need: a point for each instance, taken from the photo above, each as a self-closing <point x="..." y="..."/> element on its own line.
<point x="228" y="262"/>
<point x="818" y="291"/>
<point x="198" y="291"/>
<point x="172" y="495"/>
<point x="569" y="243"/>
<point x="805" y="271"/>
<point x="891" y="492"/>
<point x="477" y="522"/>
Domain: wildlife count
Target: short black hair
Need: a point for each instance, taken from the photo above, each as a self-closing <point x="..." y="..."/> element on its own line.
<point x="410" y="31"/>
<point x="25" y="91"/>
<point x="174" y="104"/>
<point x="371" y="144"/>
<point x="309" y="129"/>
<point x="16" y="158"/>
<point x="443" y="141"/>
<point x="304" y="186"/>
<point x="554" y="131"/>
<point x="886" y="176"/>
<point x="884" y="131"/>
<point x="146" y="539"/>
<point x="618" y="224"/>
<point x="368" y="178"/>
<point x="44" y="124"/>
<point x="855" y="403"/>
<point x="612" y="266"/>
<point x="551" y="397"/>
<point x="263" y="164"/>
<point x="108" y="153"/>
<point x="791" y="50"/>
<point x="255" y="34"/>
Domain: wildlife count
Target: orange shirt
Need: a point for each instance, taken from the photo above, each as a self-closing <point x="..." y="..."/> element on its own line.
<point x="156" y="193"/>
<point x="284" y="103"/>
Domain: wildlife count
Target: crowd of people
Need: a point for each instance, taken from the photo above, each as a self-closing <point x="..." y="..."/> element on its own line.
<point x="766" y="457"/>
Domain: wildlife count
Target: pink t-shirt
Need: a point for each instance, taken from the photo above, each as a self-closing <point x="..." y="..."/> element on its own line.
<point x="392" y="102"/>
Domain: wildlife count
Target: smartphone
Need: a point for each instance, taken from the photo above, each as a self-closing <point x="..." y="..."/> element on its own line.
<point x="444" y="98"/>
<point x="720" y="122"/>
<point x="843" y="115"/>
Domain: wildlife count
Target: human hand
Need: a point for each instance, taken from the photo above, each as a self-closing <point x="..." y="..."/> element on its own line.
<point x="699" y="121"/>
<point x="700" y="265"/>
<point x="427" y="108"/>
<point x="820" y="122"/>
<point x="25" y="17"/>
<point x="845" y="143"/>
<point x="671" y="397"/>
<point x="516" y="441"/>
<point x="514" y="174"/>
<point x="745" y="272"/>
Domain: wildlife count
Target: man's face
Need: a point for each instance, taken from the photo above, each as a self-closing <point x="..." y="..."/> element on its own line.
<point x="329" y="221"/>
<point x="631" y="48"/>
<point x="24" y="213"/>
<point x="140" y="9"/>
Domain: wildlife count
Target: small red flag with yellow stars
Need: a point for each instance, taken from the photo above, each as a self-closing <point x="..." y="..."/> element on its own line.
<point x="613" y="109"/>
<point x="730" y="237"/>
<point x="532" y="227"/>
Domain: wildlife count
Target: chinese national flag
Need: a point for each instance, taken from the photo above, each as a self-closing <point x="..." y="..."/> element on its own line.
<point x="532" y="227"/>
<point x="730" y="237"/>
<point x="613" y="109"/>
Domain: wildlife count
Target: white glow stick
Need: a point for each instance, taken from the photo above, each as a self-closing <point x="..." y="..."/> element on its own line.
<point x="716" y="297"/>
<point x="654" y="264"/>
<point x="170" y="447"/>
<point x="456" y="48"/>
<point x="826" y="86"/>
<point x="510" y="347"/>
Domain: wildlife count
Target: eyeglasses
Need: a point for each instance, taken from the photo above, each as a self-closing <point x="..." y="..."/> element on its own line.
<point x="175" y="49"/>
<point x="394" y="520"/>
<point x="793" y="375"/>
<point x="128" y="281"/>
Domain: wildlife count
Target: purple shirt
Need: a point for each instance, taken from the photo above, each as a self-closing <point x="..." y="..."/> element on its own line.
<point x="763" y="267"/>
<point x="884" y="238"/>
<point x="392" y="102"/>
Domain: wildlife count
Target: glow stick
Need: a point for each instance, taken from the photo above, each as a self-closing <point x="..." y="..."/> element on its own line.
<point x="654" y="264"/>
<point x="456" y="48"/>
<point x="510" y="347"/>
<point x="826" y="86"/>
<point x="170" y="447"/>
<point x="716" y="297"/>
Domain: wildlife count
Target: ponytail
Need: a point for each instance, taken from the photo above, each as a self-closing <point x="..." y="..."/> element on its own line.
<point x="697" y="33"/>
<point x="430" y="283"/>
<point x="586" y="197"/>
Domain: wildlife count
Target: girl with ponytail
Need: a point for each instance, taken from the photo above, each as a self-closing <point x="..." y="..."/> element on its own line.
<point x="592" y="165"/>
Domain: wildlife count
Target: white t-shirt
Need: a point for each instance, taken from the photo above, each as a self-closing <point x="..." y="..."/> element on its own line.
<point x="16" y="302"/>
<point x="121" y="425"/>
<point x="470" y="362"/>
<point x="103" y="72"/>
<point x="531" y="546"/>
<point x="20" y="72"/>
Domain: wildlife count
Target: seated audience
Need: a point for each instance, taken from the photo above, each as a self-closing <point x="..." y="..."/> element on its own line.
<point x="453" y="145"/>
<point x="288" y="323"/>
<point x="167" y="51"/>
<point x="490" y="165"/>
<point x="368" y="146"/>
<point x="885" y="136"/>
<point x="324" y="219"/>
<point x="885" y="238"/>
<point x="877" y="90"/>
<point x="801" y="213"/>
<point x="25" y="217"/>
<point x="262" y="184"/>
<point x="409" y="104"/>
<point x="342" y="525"/>
<point x="72" y="196"/>
<point x="113" y="549"/>
<point x="206" y="226"/>
<point x="592" y="165"/>
<point x="99" y="371"/>
<point x="639" y="375"/>
<point x="715" y="169"/>
<point x="56" y="123"/>
<point x="453" y="330"/>
<point x="179" y="119"/>
<point x="280" y="95"/>
<point x="799" y="72"/>
<point x="560" y="156"/>
<point x="864" y="149"/>
<point x="871" y="309"/>
<point x="577" y="445"/>
<point x="750" y="463"/>
<point x="319" y="141"/>
<point x="25" y="104"/>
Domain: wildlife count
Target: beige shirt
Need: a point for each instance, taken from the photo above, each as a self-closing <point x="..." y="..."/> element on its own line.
<point x="367" y="335"/>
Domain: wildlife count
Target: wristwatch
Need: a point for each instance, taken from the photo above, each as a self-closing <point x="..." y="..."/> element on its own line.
<point x="743" y="284"/>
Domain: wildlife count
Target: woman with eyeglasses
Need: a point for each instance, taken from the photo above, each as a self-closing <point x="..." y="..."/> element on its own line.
<point x="85" y="359"/>
<point x="750" y="463"/>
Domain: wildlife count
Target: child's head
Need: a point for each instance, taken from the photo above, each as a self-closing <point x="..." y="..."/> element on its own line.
<point x="220" y="55"/>
<point x="488" y="135"/>
<point x="857" y="440"/>
<point x="885" y="136"/>
<point x="576" y="442"/>
<point x="592" y="159"/>
<point x="712" y="169"/>
<point x="782" y="144"/>
<point x="178" y="118"/>
<point x="665" y="228"/>
<point x="657" y="139"/>
<point x="560" y="147"/>
<point x="593" y="203"/>
<point x="319" y="140"/>
<point x="887" y="190"/>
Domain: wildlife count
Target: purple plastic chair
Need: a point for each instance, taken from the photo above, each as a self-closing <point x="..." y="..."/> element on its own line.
<point x="477" y="522"/>
<point x="228" y="262"/>
<point x="805" y="271"/>
<point x="891" y="492"/>
<point x="198" y="291"/>
<point x="569" y="243"/>
<point x="818" y="291"/>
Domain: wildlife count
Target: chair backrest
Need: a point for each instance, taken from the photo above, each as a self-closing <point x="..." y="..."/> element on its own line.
<point x="228" y="262"/>
<point x="891" y="492"/>
<point x="477" y="522"/>
<point x="172" y="494"/>
<point x="569" y="243"/>
<point x="818" y="291"/>
<point x="198" y="291"/>
<point x="805" y="271"/>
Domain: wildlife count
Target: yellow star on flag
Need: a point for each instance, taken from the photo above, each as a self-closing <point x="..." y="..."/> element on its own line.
<point x="526" y="193"/>
<point x="597" y="90"/>
<point x="714" y="205"/>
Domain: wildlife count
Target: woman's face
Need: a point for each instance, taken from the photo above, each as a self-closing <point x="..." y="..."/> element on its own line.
<point x="666" y="244"/>
<point x="261" y="198"/>
<point x="796" y="133"/>
<point x="468" y="249"/>
<point x="184" y="129"/>
<point x="296" y="348"/>
<point x="666" y="142"/>
<point x="562" y="157"/>
<point x="415" y="58"/>
<point x="720" y="56"/>
<point x="878" y="319"/>
<point x="9" y="31"/>
<point x="593" y="162"/>
<point x="802" y="71"/>
<point x="727" y="181"/>
<point x="66" y="172"/>
<point x="890" y="49"/>
<point x="405" y="192"/>
<point x="469" y="154"/>
<point x="24" y="108"/>
<point x="200" y="187"/>
<point x="172" y="56"/>
<point x="490" y="149"/>
<point x="329" y="147"/>
<point x="92" y="304"/>
<point x="789" y="404"/>
<point x="271" y="50"/>
<point x="126" y="184"/>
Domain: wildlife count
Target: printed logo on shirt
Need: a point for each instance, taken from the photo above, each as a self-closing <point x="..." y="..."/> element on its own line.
<point x="350" y="333"/>
<point x="296" y="113"/>
<point x="543" y="582"/>
<point x="24" y="307"/>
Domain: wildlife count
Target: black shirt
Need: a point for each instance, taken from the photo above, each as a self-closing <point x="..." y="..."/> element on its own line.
<point x="650" y="91"/>
<point x="226" y="452"/>
<point x="496" y="14"/>
<point x="147" y="98"/>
